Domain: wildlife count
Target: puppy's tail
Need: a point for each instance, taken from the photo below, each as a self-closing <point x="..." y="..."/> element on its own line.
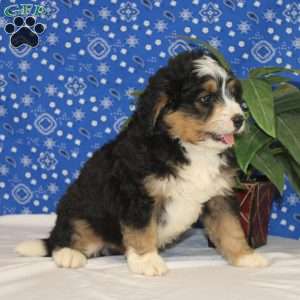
<point x="34" y="248"/>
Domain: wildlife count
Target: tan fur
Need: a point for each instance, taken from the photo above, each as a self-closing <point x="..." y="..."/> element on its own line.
<point x="217" y="112"/>
<point x="85" y="239"/>
<point x="190" y="129"/>
<point x="212" y="124"/>
<point x="210" y="86"/>
<point x="225" y="231"/>
<point x="184" y="126"/>
<point x="141" y="240"/>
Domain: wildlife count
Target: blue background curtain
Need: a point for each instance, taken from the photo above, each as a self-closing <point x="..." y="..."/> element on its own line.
<point x="63" y="99"/>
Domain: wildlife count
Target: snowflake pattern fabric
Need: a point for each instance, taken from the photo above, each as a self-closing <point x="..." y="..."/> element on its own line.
<point x="285" y="215"/>
<point x="63" y="99"/>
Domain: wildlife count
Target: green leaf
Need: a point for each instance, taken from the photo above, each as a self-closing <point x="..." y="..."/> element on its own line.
<point x="288" y="133"/>
<point x="136" y="93"/>
<point x="265" y="71"/>
<point x="259" y="98"/>
<point x="276" y="79"/>
<point x="265" y="162"/>
<point x="284" y="90"/>
<point x="290" y="102"/>
<point x="125" y="124"/>
<point x="210" y="48"/>
<point x="292" y="170"/>
<point x="248" y="143"/>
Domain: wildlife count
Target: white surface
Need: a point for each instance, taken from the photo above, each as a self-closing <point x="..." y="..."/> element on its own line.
<point x="196" y="272"/>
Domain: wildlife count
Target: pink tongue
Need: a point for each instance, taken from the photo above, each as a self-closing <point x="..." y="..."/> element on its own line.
<point x="229" y="139"/>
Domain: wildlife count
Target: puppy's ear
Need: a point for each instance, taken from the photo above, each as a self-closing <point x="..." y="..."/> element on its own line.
<point x="154" y="99"/>
<point x="160" y="104"/>
<point x="150" y="106"/>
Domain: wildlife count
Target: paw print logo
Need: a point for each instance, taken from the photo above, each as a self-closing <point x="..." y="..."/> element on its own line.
<point x="24" y="32"/>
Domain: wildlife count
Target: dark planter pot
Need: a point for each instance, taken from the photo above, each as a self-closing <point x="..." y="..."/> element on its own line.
<point x="255" y="206"/>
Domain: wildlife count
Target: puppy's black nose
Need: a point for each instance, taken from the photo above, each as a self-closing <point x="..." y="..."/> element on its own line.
<point x="238" y="121"/>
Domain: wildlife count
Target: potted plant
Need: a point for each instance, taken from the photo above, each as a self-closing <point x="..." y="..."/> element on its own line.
<point x="270" y="144"/>
<point x="269" y="148"/>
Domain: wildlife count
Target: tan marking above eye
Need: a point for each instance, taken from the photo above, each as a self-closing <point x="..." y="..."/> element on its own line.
<point x="210" y="86"/>
<point x="232" y="85"/>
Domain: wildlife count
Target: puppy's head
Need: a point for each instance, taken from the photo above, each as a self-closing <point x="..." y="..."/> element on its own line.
<point x="195" y="100"/>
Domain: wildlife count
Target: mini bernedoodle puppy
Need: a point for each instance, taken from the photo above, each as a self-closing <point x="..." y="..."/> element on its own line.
<point x="170" y="165"/>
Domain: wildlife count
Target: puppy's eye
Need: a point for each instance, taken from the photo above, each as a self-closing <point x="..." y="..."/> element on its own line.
<point x="205" y="99"/>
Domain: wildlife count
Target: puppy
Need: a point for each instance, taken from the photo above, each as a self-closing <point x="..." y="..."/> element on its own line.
<point x="170" y="165"/>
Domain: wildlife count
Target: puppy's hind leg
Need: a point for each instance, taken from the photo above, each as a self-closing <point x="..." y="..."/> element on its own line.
<point x="220" y="218"/>
<point x="84" y="243"/>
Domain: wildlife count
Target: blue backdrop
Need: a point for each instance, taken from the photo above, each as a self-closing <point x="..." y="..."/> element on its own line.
<point x="63" y="99"/>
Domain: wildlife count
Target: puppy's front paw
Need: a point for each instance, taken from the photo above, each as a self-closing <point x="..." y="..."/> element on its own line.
<point x="149" y="264"/>
<point x="253" y="260"/>
<point x="69" y="258"/>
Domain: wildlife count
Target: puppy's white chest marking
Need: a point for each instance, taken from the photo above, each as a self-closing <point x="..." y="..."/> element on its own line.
<point x="184" y="195"/>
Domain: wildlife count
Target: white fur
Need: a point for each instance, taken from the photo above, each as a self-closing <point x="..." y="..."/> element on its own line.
<point x="31" y="248"/>
<point x="254" y="260"/>
<point x="208" y="66"/>
<point x="222" y="122"/>
<point x="195" y="184"/>
<point x="149" y="264"/>
<point x="69" y="258"/>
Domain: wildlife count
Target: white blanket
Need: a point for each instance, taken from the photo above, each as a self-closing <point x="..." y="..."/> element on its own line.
<point x="196" y="271"/>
